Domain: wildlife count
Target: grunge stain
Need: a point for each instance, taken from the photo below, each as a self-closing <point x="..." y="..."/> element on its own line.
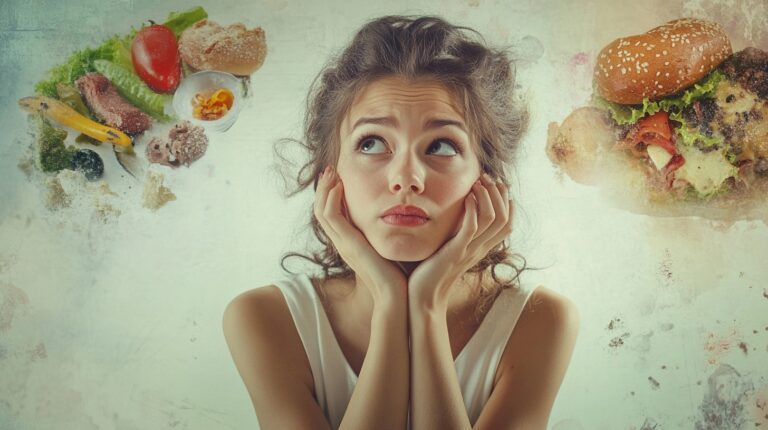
<point x="725" y="401"/>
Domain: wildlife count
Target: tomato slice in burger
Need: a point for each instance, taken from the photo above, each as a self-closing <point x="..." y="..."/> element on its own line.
<point x="656" y="130"/>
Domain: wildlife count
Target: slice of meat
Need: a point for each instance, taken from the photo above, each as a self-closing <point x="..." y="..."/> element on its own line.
<point x="104" y="100"/>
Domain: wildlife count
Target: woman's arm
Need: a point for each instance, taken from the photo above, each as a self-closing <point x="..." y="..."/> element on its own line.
<point x="380" y="399"/>
<point x="531" y="371"/>
<point x="436" y="401"/>
<point x="533" y="365"/>
<point x="269" y="355"/>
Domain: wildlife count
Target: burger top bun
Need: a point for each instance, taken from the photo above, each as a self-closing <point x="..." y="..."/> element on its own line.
<point x="234" y="49"/>
<point x="660" y="62"/>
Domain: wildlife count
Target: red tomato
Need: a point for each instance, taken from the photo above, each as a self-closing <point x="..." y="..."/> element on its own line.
<point x="155" y="56"/>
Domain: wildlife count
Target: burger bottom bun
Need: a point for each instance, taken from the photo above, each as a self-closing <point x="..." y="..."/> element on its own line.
<point x="582" y="148"/>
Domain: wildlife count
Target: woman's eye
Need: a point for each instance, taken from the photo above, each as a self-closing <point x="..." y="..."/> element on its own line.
<point x="372" y="145"/>
<point x="443" y="148"/>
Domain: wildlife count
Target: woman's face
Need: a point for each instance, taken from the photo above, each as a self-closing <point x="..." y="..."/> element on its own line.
<point x="404" y="145"/>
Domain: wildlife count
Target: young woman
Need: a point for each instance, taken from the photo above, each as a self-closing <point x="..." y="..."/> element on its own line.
<point x="411" y="324"/>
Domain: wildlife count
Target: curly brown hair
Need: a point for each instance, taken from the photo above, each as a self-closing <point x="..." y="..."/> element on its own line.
<point x="482" y="80"/>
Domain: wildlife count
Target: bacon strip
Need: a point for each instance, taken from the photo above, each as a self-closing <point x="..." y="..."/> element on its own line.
<point x="654" y="130"/>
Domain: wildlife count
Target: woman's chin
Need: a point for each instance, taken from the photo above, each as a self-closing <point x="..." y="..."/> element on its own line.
<point x="404" y="253"/>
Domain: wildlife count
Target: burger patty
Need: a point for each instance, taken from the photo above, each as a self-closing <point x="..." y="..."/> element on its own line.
<point x="739" y="111"/>
<point x="750" y="69"/>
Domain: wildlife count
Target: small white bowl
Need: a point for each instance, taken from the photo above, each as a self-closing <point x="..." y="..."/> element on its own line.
<point x="206" y="82"/>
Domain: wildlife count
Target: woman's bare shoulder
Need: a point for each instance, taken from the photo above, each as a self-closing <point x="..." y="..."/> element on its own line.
<point x="548" y="325"/>
<point x="537" y="355"/>
<point x="548" y="318"/>
<point x="268" y="353"/>
<point x="552" y="306"/>
<point x="259" y="321"/>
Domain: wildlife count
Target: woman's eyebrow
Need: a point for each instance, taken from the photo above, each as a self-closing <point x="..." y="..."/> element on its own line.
<point x="392" y="122"/>
<point x="382" y="120"/>
<point x="437" y="123"/>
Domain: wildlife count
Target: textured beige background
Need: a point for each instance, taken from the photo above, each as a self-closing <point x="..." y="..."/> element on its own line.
<point x="110" y="312"/>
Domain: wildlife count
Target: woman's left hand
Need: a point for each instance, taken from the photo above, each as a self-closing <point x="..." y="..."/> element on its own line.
<point x="487" y="222"/>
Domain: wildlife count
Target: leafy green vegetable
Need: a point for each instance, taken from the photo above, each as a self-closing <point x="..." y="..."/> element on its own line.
<point x="53" y="155"/>
<point x="689" y="135"/>
<point x="630" y="114"/>
<point x="180" y="21"/>
<point x="77" y="65"/>
<point x="116" y="49"/>
<point x="134" y="89"/>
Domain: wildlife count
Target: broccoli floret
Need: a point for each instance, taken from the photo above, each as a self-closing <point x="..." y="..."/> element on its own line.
<point x="53" y="155"/>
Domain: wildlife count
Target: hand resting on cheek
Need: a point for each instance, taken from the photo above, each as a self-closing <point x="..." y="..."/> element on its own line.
<point x="382" y="277"/>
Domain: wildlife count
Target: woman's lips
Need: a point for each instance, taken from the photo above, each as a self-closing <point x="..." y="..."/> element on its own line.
<point x="404" y="220"/>
<point x="405" y="215"/>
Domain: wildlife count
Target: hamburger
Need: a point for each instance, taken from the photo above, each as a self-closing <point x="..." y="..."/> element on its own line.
<point x="678" y="124"/>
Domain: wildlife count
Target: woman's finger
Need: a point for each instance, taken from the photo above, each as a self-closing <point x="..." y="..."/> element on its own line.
<point x="499" y="207"/>
<point x="504" y="194"/>
<point x="499" y="199"/>
<point x="348" y="234"/>
<point x="469" y="224"/>
<point x="485" y="210"/>
<point x="322" y="194"/>
<point x="506" y="229"/>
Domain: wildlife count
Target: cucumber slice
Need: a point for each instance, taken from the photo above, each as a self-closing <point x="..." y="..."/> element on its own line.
<point x="134" y="89"/>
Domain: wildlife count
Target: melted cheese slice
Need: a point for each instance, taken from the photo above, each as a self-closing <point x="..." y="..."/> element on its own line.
<point x="705" y="171"/>
<point x="659" y="156"/>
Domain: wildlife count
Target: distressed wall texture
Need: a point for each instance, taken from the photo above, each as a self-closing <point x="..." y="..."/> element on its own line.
<point x="110" y="310"/>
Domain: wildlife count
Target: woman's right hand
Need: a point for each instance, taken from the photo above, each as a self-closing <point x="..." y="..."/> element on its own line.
<point x="383" y="278"/>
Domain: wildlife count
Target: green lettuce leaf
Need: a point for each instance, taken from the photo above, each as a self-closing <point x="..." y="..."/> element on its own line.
<point x="689" y="135"/>
<point x="180" y="21"/>
<point x="630" y="114"/>
<point x="116" y="49"/>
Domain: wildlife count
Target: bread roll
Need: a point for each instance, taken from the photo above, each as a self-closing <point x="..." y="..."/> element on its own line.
<point x="234" y="49"/>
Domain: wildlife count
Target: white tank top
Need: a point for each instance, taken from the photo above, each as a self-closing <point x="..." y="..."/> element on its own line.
<point x="335" y="380"/>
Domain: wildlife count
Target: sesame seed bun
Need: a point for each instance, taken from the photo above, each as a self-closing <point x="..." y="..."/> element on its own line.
<point x="661" y="62"/>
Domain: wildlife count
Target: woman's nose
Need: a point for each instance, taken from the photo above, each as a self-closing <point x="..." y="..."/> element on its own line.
<point x="407" y="174"/>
